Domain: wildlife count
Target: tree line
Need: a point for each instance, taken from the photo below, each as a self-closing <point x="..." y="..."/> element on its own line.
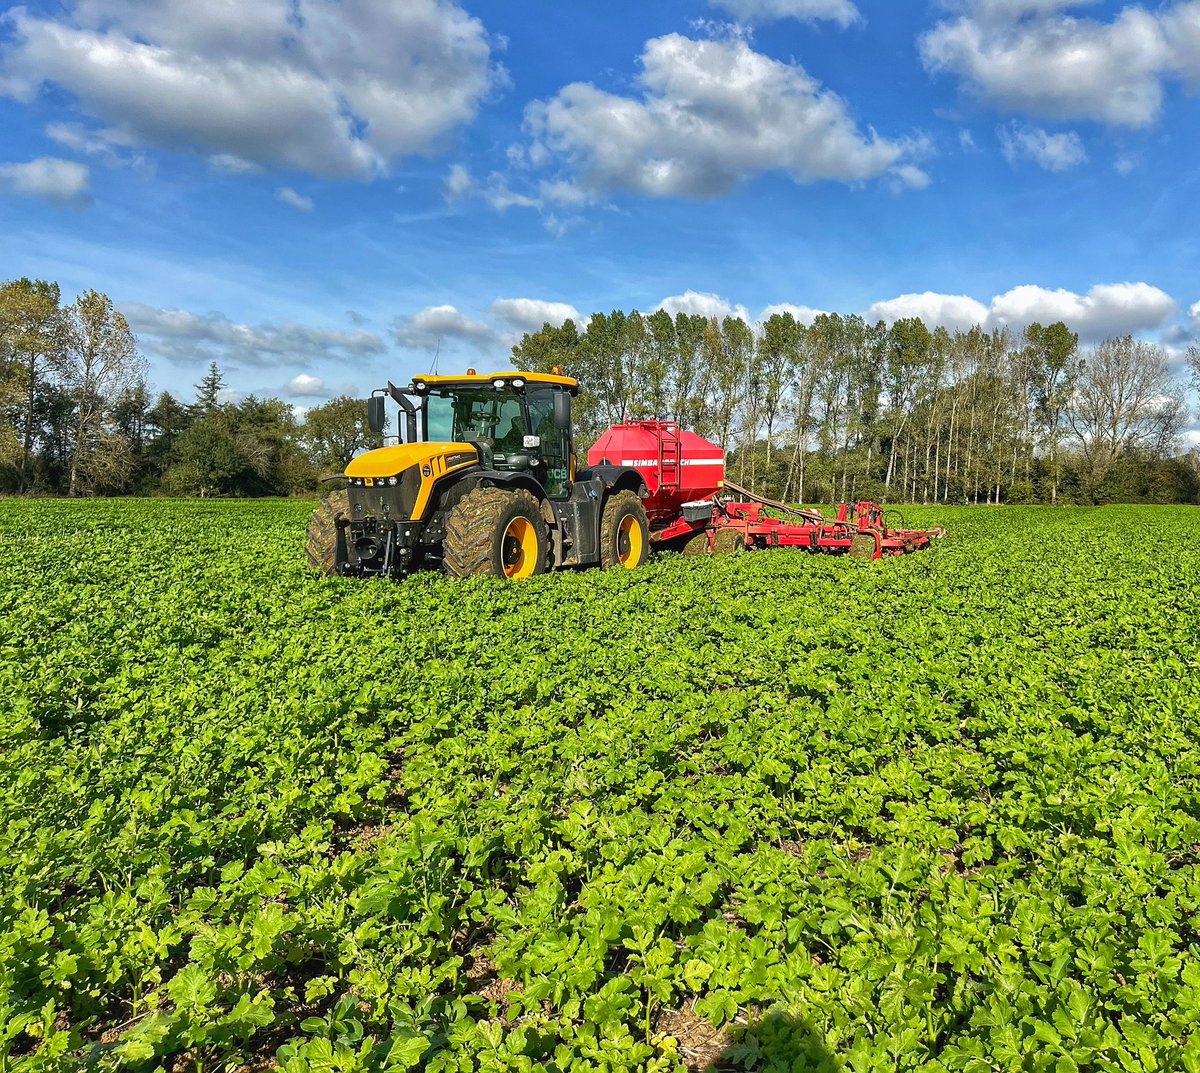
<point x="842" y="409"/>
<point x="838" y="409"/>
<point x="78" y="418"/>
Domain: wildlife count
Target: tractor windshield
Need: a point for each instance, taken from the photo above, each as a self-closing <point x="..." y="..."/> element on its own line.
<point x="477" y="415"/>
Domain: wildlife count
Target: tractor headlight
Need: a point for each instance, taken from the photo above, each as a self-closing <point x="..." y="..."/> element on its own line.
<point x="498" y="385"/>
<point x="518" y="382"/>
<point x="391" y="480"/>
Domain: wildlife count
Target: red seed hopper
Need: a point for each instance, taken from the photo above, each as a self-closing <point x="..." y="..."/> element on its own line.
<point x="691" y="506"/>
<point x="678" y="466"/>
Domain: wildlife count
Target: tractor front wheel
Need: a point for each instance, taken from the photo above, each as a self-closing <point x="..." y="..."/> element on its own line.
<point x="320" y="550"/>
<point x="492" y="532"/>
<point x="624" y="532"/>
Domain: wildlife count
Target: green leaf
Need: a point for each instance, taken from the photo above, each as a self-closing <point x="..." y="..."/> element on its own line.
<point x="191" y="988"/>
<point x="140" y="1043"/>
<point x="406" y="1052"/>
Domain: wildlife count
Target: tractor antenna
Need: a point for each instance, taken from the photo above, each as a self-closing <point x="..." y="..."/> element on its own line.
<point x="434" y="367"/>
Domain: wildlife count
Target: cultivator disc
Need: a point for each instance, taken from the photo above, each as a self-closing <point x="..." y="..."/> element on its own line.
<point x="863" y="546"/>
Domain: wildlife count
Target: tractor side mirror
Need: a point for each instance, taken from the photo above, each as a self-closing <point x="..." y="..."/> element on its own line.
<point x="562" y="411"/>
<point x="376" y="413"/>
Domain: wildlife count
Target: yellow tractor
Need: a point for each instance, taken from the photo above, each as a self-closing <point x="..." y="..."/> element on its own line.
<point x="485" y="484"/>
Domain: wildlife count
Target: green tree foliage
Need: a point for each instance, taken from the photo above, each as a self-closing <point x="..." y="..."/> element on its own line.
<point x="208" y="391"/>
<point x="103" y="367"/>
<point x="844" y="409"/>
<point x="336" y="431"/>
<point x="1123" y="404"/>
<point x="11" y="413"/>
<point x="206" y="459"/>
<point x="34" y="337"/>
<point x="1053" y="370"/>
<point x="249" y="448"/>
<point x="76" y="415"/>
<point x="835" y="409"/>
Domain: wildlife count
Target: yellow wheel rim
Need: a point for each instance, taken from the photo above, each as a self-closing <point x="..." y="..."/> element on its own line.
<point x="629" y="542"/>
<point x="519" y="549"/>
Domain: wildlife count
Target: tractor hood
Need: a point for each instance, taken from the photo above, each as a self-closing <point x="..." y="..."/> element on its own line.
<point x="392" y="461"/>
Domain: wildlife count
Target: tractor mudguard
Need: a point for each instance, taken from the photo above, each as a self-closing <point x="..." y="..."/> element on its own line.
<point x="511" y="479"/>
<point x="615" y="478"/>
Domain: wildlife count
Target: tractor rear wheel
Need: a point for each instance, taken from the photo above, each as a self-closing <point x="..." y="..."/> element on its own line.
<point x="862" y="546"/>
<point x="728" y="542"/>
<point x="624" y="532"/>
<point x="320" y="550"/>
<point x="493" y="532"/>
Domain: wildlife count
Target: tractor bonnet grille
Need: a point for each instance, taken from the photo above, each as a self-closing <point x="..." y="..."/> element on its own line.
<point x="387" y="501"/>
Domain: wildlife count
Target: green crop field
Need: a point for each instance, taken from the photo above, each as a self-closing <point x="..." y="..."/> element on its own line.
<point x="771" y="811"/>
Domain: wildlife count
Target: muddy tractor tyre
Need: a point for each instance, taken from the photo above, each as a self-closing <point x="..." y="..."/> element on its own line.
<point x="493" y="532"/>
<point x="697" y="545"/>
<point x="320" y="549"/>
<point x="728" y="542"/>
<point x="624" y="533"/>
<point x="862" y="546"/>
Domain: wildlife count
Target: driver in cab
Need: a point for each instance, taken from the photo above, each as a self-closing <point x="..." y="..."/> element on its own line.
<point x="511" y="446"/>
<point x="513" y="441"/>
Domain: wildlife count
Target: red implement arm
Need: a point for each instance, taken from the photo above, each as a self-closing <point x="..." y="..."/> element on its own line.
<point x="863" y="532"/>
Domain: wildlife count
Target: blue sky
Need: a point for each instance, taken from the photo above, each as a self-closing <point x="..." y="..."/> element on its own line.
<point x="319" y="193"/>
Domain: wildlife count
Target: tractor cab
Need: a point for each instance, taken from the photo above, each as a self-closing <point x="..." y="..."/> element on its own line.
<point x="515" y="422"/>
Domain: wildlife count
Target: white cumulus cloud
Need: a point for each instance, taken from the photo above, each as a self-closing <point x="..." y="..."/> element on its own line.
<point x="95" y="144"/>
<point x="947" y="310"/>
<point x="458" y="183"/>
<point x="529" y="314"/>
<point x="752" y="12"/>
<point x="306" y="387"/>
<point x="1107" y="309"/>
<point x="297" y="201"/>
<point x="187" y="338"/>
<point x="909" y="176"/>
<point x="73" y="136"/>
<point x="803" y="314"/>
<point x="229" y="164"/>
<point x="1035" y="57"/>
<point x="425" y="329"/>
<point x="1052" y="152"/>
<point x="708" y="115"/>
<point x="703" y="304"/>
<point x="502" y="197"/>
<point x="60" y="182"/>
<point x="335" y="89"/>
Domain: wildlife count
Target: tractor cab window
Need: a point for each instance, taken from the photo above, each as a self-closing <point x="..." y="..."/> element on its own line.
<point x="479" y="415"/>
<point x="494" y="419"/>
<point x="555" y="451"/>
